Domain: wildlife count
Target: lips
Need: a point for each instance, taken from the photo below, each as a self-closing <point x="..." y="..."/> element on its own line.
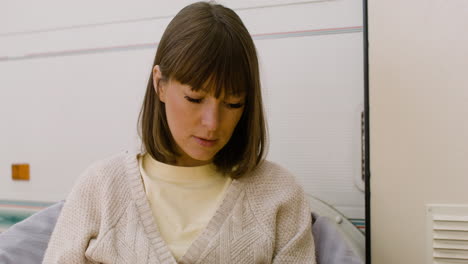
<point x="205" y="142"/>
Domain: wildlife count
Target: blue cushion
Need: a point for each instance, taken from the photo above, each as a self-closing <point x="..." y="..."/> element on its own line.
<point x="26" y="241"/>
<point x="330" y="244"/>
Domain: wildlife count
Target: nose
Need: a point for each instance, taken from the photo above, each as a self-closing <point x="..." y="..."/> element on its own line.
<point x="210" y="116"/>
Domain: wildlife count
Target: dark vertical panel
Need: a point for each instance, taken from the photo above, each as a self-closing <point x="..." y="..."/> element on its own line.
<point x="367" y="134"/>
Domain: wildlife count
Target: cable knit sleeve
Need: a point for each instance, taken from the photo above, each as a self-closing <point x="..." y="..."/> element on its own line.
<point x="78" y="222"/>
<point x="281" y="207"/>
<point x="294" y="241"/>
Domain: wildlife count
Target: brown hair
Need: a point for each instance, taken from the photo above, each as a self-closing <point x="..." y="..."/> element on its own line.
<point x="208" y="43"/>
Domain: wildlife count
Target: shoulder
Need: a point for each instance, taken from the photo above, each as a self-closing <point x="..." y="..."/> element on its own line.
<point x="271" y="178"/>
<point x="270" y="187"/>
<point x="116" y="163"/>
<point x="102" y="192"/>
<point x="107" y="177"/>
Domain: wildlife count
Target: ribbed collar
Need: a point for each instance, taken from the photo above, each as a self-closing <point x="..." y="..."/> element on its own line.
<point x="199" y="175"/>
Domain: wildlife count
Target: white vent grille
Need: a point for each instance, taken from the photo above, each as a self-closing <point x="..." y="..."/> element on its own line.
<point x="447" y="234"/>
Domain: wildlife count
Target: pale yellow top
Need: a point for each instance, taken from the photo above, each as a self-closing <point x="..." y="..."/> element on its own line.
<point x="182" y="199"/>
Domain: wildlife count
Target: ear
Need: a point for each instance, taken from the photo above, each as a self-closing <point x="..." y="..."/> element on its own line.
<point x="159" y="84"/>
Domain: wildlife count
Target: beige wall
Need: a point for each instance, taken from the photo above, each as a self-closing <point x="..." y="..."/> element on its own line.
<point x="419" y="119"/>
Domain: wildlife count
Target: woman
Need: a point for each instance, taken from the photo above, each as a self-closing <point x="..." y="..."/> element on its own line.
<point x="200" y="191"/>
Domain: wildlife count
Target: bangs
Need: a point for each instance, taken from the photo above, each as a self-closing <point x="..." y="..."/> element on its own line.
<point x="214" y="62"/>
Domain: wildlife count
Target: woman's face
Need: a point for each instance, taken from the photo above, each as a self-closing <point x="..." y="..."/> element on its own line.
<point x="200" y="123"/>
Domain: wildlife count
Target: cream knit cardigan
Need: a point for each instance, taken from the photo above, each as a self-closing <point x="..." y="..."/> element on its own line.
<point x="264" y="218"/>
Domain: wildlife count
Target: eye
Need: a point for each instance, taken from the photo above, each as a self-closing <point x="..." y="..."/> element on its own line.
<point x="235" y="106"/>
<point x="193" y="100"/>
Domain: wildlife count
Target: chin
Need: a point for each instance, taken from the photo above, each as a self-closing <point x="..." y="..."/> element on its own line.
<point x="202" y="156"/>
